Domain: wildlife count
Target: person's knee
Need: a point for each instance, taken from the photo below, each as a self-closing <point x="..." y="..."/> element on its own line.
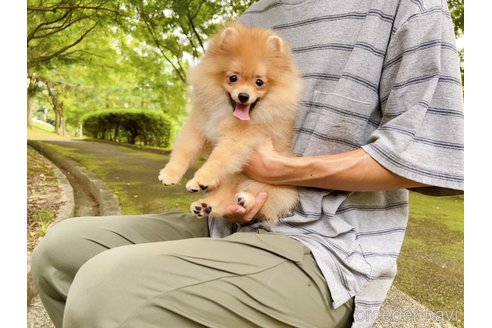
<point x="63" y="249"/>
<point x="52" y="248"/>
<point x="100" y="292"/>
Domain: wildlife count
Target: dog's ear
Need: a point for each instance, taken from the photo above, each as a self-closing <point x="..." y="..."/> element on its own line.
<point x="275" y="44"/>
<point x="228" y="34"/>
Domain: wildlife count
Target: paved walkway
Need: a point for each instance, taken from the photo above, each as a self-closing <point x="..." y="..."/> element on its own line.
<point x="400" y="310"/>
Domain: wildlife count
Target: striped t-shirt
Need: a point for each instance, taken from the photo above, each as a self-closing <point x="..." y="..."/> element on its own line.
<point x="382" y="75"/>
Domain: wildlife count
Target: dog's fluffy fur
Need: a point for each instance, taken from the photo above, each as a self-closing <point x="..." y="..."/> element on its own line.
<point x="244" y="90"/>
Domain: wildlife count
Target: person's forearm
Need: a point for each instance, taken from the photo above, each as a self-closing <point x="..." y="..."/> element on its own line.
<point x="351" y="171"/>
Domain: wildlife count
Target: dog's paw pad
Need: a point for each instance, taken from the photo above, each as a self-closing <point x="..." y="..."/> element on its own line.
<point x="200" y="209"/>
<point x="199" y="183"/>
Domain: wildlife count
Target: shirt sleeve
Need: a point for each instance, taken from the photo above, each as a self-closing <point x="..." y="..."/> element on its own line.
<point x="421" y="132"/>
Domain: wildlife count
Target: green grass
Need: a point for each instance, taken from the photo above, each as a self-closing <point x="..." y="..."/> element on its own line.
<point x="39" y="132"/>
<point x="42" y="218"/>
<point x="43" y="127"/>
<point x="431" y="264"/>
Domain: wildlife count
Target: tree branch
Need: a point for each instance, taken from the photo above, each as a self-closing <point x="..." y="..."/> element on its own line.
<point x="65" y="17"/>
<point x="55" y="29"/>
<point x="73" y="8"/>
<point x="31" y="34"/>
<point x="178" y="69"/>
<point x="190" y="20"/>
<point x="189" y="37"/>
<point x="198" y="9"/>
<point x="42" y="59"/>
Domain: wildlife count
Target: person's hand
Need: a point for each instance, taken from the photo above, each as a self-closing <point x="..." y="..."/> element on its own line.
<point x="238" y="214"/>
<point x="265" y="164"/>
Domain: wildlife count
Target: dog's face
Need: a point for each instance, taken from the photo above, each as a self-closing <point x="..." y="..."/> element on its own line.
<point x="245" y="88"/>
<point x="247" y="64"/>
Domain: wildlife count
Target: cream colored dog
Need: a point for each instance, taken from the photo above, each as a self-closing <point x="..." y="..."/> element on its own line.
<point x="244" y="90"/>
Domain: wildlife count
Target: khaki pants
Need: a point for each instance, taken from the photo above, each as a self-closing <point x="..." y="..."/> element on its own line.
<point x="164" y="271"/>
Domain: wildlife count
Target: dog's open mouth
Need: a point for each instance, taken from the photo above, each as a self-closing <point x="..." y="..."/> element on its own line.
<point x="241" y="111"/>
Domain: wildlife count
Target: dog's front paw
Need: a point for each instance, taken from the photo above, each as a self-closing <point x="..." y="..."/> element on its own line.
<point x="169" y="176"/>
<point x="201" y="182"/>
<point x="200" y="208"/>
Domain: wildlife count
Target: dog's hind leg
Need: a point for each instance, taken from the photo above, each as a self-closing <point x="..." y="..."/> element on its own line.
<point x="280" y="202"/>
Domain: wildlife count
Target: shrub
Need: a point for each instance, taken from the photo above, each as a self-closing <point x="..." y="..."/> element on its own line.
<point x="149" y="128"/>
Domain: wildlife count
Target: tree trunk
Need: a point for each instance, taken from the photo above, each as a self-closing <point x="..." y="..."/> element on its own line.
<point x="58" y="108"/>
<point x="30" y="95"/>
<point x="62" y="124"/>
<point x="59" y="118"/>
<point x="29" y="113"/>
<point x="57" y="122"/>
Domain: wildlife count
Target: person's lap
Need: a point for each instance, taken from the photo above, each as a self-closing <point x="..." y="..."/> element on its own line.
<point x="127" y="276"/>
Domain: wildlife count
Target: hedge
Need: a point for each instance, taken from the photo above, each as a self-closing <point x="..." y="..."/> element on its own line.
<point x="149" y="128"/>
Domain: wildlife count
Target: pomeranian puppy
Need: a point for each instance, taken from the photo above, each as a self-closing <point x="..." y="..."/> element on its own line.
<point x="244" y="90"/>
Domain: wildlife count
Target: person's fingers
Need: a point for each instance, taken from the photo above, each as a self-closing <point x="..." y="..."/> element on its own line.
<point x="238" y="214"/>
<point x="235" y="209"/>
<point x="260" y="201"/>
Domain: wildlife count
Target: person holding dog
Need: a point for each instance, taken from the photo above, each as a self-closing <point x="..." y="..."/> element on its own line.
<point x="381" y="113"/>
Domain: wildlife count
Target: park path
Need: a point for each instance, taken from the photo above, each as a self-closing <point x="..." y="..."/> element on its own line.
<point x="130" y="172"/>
<point x="130" y="157"/>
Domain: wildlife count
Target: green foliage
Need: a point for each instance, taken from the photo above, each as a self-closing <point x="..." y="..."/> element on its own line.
<point x="177" y="29"/>
<point x="56" y="28"/>
<point x="149" y="128"/>
<point x="457" y="10"/>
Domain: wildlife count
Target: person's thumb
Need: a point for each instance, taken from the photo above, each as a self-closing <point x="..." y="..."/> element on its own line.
<point x="260" y="201"/>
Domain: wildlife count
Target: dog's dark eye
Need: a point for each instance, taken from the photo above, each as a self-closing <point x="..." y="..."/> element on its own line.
<point x="259" y="82"/>
<point x="233" y="78"/>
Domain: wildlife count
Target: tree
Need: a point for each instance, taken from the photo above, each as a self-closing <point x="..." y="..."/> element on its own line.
<point x="56" y="27"/>
<point x="178" y="29"/>
<point x="55" y="91"/>
<point x="55" y="30"/>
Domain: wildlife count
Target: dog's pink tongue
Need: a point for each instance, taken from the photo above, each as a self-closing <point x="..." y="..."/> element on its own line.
<point x="242" y="112"/>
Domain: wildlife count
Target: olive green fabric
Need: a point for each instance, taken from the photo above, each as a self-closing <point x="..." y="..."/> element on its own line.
<point x="164" y="271"/>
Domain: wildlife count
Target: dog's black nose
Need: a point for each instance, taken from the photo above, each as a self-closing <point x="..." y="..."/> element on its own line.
<point x="243" y="97"/>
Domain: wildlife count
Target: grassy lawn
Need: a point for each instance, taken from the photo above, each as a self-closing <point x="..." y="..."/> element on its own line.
<point x="431" y="264"/>
<point x="39" y="132"/>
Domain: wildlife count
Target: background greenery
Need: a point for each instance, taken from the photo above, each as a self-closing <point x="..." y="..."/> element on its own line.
<point x="91" y="55"/>
<point x="132" y="126"/>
